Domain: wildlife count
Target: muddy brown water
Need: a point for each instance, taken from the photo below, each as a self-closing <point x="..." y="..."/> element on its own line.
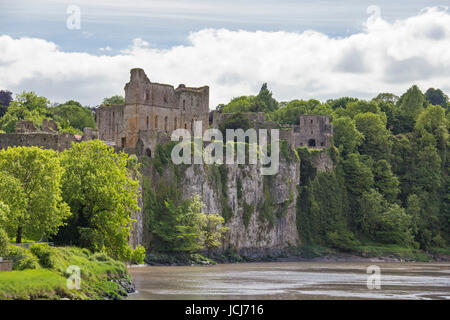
<point x="292" y="280"/>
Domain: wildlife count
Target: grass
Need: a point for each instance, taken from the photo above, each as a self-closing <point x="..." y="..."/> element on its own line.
<point x="32" y="284"/>
<point x="99" y="277"/>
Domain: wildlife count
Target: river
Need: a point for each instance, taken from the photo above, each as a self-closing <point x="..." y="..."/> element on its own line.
<point x="293" y="280"/>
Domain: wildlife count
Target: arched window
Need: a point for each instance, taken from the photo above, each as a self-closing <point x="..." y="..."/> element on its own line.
<point x="147" y="122"/>
<point x="311" y="143"/>
<point x="147" y="95"/>
<point x="165" y="123"/>
<point x="148" y="152"/>
<point x="185" y="125"/>
<point x="156" y="122"/>
<point x="176" y="123"/>
<point x="184" y="104"/>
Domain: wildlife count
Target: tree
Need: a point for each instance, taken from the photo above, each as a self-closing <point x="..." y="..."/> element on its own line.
<point x="385" y="181"/>
<point x="386" y="98"/>
<point x="434" y="121"/>
<point x="358" y="176"/>
<point x="36" y="207"/>
<point x="26" y="106"/>
<point x="102" y="195"/>
<point x="411" y="105"/>
<point x="72" y="115"/>
<point x="290" y="114"/>
<point x="265" y="96"/>
<point x="5" y="100"/>
<point x="341" y="102"/>
<point x="382" y="221"/>
<point x="436" y="97"/>
<point x="176" y="225"/>
<point x="346" y="137"/>
<point x="376" y="136"/>
<point x="4" y="241"/>
<point x="213" y="231"/>
<point x="114" y="100"/>
<point x="235" y="121"/>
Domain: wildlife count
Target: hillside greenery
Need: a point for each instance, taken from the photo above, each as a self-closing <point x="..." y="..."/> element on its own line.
<point x="391" y="182"/>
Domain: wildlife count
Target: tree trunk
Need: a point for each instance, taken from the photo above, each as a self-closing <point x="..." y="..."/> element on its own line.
<point x="19" y="235"/>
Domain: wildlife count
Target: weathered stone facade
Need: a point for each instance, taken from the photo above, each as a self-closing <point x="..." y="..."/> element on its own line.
<point x="151" y="112"/>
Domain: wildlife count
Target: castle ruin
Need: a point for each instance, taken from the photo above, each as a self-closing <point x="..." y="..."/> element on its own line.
<point x="151" y="112"/>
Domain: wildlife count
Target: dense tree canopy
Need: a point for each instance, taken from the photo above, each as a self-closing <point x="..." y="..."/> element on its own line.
<point x="392" y="162"/>
<point x="102" y="195"/>
<point x="30" y="186"/>
<point x="71" y="116"/>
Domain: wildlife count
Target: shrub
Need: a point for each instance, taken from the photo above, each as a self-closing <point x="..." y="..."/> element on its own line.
<point x="22" y="258"/>
<point x="343" y="240"/>
<point x="138" y="255"/>
<point x="3" y="242"/>
<point x="100" y="256"/>
<point x="44" y="253"/>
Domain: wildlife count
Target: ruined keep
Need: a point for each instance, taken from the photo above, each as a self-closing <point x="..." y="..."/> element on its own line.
<point x="313" y="131"/>
<point x="150" y="113"/>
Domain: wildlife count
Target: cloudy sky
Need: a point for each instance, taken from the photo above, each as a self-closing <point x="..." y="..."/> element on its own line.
<point x="303" y="49"/>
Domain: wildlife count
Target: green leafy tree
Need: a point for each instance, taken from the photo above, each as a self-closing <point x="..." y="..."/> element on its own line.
<point x="114" y="100"/>
<point x="436" y="97"/>
<point x="235" y="121"/>
<point x="385" y="181"/>
<point x="265" y="96"/>
<point x="4" y="241"/>
<point x="102" y="195"/>
<point x="241" y="104"/>
<point x="26" y="106"/>
<point x="346" y="137"/>
<point x="384" y="222"/>
<point x="213" y="231"/>
<point x="72" y="115"/>
<point x="341" y="102"/>
<point x="411" y="105"/>
<point x="175" y="224"/>
<point x="30" y="186"/>
<point x="434" y="121"/>
<point x="290" y="113"/>
<point x="376" y="136"/>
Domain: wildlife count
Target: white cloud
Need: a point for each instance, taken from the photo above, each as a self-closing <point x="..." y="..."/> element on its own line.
<point x="384" y="57"/>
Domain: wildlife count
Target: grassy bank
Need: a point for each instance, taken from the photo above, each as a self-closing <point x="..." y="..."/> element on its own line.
<point x="41" y="273"/>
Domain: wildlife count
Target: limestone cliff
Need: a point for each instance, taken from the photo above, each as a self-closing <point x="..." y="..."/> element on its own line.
<point x="259" y="210"/>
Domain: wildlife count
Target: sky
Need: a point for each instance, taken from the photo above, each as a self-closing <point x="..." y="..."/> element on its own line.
<point x="302" y="49"/>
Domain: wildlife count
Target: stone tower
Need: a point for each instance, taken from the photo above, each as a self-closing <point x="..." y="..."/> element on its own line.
<point x="151" y="112"/>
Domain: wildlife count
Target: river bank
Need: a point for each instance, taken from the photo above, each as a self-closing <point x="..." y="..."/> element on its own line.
<point x="379" y="253"/>
<point x="43" y="274"/>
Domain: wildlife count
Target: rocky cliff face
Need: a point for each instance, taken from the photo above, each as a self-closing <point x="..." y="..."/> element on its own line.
<point x="262" y="217"/>
<point x="259" y="210"/>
